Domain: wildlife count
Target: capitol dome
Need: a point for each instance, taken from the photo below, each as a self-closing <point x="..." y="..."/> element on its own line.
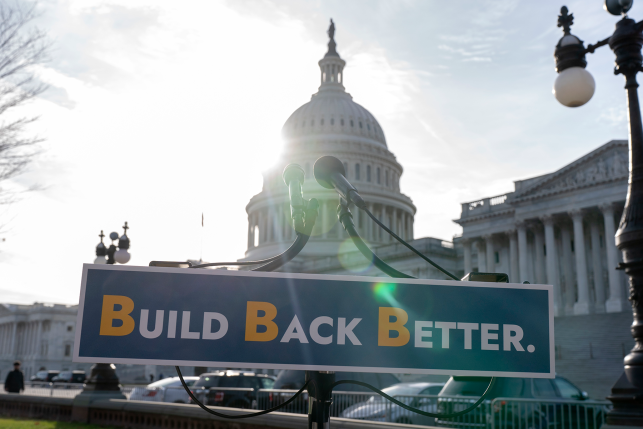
<point x="331" y="123"/>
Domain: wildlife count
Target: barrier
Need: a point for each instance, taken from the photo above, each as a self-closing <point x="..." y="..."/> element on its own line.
<point x="514" y="413"/>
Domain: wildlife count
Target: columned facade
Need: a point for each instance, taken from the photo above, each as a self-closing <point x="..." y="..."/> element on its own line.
<point x="39" y="335"/>
<point x="560" y="230"/>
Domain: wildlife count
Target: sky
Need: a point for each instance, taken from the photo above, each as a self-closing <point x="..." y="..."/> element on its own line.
<point x="160" y="111"/>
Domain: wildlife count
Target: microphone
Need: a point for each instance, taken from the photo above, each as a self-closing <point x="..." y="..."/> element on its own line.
<point x="330" y="173"/>
<point x="294" y="178"/>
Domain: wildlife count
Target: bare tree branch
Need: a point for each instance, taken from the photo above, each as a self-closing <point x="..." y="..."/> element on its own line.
<point x="21" y="48"/>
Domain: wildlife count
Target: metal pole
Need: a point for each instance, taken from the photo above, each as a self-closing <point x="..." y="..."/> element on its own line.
<point x="319" y="398"/>
<point x="627" y="393"/>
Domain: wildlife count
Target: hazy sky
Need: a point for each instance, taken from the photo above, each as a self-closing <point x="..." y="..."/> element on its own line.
<point x="161" y="110"/>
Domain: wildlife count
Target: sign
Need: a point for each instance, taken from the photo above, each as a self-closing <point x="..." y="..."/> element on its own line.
<point x="240" y="319"/>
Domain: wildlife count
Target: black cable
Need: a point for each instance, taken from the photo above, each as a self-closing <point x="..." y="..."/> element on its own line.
<point x="394" y="235"/>
<point x="415" y="410"/>
<point x="368" y="253"/>
<point x="239" y="416"/>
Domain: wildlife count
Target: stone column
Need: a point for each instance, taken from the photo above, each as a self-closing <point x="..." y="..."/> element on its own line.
<point x="259" y="239"/>
<point x="582" y="304"/>
<point x="597" y="266"/>
<point x="403" y="221"/>
<point x="551" y="259"/>
<point x="250" y="232"/>
<point x="569" y="295"/>
<point x="38" y="338"/>
<point x="522" y="252"/>
<point x="410" y="227"/>
<point x="513" y="256"/>
<point x="489" y="252"/>
<point x="482" y="256"/>
<point x="394" y="227"/>
<point x="616" y="302"/>
<point x="539" y="253"/>
<point x="466" y="243"/>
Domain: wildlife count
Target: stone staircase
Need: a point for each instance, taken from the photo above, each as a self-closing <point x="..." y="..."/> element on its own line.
<point x="590" y="350"/>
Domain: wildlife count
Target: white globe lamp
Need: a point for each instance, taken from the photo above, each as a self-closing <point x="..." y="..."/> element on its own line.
<point x="574" y="87"/>
<point x="122" y="256"/>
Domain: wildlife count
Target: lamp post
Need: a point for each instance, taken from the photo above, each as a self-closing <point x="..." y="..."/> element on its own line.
<point x="103" y="382"/>
<point x="575" y="87"/>
<point x="114" y="254"/>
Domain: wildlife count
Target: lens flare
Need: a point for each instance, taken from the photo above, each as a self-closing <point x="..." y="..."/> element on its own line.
<point x="386" y="292"/>
<point x="351" y="259"/>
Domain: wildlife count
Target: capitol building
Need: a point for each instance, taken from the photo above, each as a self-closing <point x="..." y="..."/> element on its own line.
<point x="556" y="229"/>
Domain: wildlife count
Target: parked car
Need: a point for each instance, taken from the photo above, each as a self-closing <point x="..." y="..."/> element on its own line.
<point x="231" y="388"/>
<point x="294" y="380"/>
<point x="539" y="403"/>
<point x="70" y="377"/>
<point x="380" y="409"/>
<point x="167" y="390"/>
<point x="44" y="375"/>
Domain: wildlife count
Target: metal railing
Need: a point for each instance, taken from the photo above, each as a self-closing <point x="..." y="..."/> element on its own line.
<point x="514" y="413"/>
<point x="499" y="413"/>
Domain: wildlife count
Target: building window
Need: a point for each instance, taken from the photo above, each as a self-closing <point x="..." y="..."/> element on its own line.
<point x="368" y="126"/>
<point x="360" y="124"/>
<point x="332" y="121"/>
<point x="600" y="240"/>
<point x="357" y="172"/>
<point x="573" y="246"/>
<point x="342" y="122"/>
<point x="69" y="328"/>
<point x="497" y="256"/>
<point x="545" y="249"/>
<point x="67" y="350"/>
<point x="378" y="176"/>
<point x="368" y="173"/>
<point x="352" y="123"/>
<point x="386" y="177"/>
<point x="322" y="122"/>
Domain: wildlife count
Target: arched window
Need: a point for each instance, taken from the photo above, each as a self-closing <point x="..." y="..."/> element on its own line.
<point x="368" y="173"/>
<point x="360" y="124"/>
<point x="342" y="122"/>
<point x="368" y="126"/>
<point x="378" y="176"/>
<point x="386" y="178"/>
<point x="356" y="171"/>
<point x="352" y="124"/>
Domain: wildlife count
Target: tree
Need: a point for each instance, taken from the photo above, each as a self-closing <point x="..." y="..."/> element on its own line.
<point x="22" y="47"/>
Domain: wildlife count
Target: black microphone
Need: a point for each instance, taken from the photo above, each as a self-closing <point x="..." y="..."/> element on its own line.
<point x="294" y="178"/>
<point x="330" y="173"/>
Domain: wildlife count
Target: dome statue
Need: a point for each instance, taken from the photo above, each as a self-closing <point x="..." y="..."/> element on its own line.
<point x="331" y="123"/>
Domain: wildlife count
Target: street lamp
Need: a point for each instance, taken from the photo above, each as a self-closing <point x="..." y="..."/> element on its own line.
<point x="574" y="87"/>
<point x="114" y="254"/>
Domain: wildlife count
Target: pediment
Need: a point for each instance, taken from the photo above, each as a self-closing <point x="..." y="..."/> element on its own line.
<point x="606" y="164"/>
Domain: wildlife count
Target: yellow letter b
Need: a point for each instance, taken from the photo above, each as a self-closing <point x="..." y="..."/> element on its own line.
<point x="109" y="314"/>
<point x="253" y="320"/>
<point x="386" y="326"/>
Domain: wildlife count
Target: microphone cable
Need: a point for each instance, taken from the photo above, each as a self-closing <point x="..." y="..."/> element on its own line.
<point x="394" y="235"/>
<point x="415" y="410"/>
<point x="238" y="416"/>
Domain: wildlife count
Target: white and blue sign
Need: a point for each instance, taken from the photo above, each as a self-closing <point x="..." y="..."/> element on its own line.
<point x="240" y="319"/>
